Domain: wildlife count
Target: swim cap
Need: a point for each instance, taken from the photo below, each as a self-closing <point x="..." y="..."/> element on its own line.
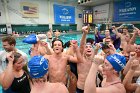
<point x="42" y="37"/>
<point x="37" y="66"/>
<point x="117" y="61"/>
<point x="31" y="39"/>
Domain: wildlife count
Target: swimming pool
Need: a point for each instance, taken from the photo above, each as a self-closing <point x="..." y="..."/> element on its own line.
<point x="64" y="37"/>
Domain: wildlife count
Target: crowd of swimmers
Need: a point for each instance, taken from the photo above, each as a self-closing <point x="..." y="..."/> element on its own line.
<point x="108" y="64"/>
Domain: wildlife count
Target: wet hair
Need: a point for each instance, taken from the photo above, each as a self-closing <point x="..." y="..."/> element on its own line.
<point x="105" y="46"/>
<point x="16" y="57"/>
<point x="90" y="40"/>
<point x="125" y="27"/>
<point x="10" y="39"/>
<point x="56" y="39"/>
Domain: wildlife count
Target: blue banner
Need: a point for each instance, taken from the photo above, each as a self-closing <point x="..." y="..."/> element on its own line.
<point x="64" y="14"/>
<point x="126" y="10"/>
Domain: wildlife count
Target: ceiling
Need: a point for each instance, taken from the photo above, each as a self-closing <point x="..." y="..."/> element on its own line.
<point x="95" y="2"/>
<point x="88" y="3"/>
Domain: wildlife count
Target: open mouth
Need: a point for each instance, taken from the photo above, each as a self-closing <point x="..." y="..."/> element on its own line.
<point x="88" y="51"/>
<point x="56" y="49"/>
<point x="45" y="44"/>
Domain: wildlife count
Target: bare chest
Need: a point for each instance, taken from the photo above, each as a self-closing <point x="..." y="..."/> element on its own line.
<point x="84" y="66"/>
<point x="58" y="63"/>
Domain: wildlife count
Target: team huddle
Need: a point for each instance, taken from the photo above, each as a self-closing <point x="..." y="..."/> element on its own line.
<point x="108" y="64"/>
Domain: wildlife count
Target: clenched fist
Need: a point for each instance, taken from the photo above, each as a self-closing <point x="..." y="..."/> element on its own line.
<point x="98" y="60"/>
<point x="134" y="64"/>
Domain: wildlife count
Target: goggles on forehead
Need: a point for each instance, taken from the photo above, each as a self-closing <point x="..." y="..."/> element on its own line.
<point x="89" y="44"/>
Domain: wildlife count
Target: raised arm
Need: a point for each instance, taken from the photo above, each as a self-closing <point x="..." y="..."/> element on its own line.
<point x="85" y="30"/>
<point x="96" y="31"/>
<point x="90" y="84"/>
<point x="78" y="57"/>
<point x="115" y="31"/>
<point x="97" y="47"/>
<point x="133" y="38"/>
<point x="128" y="65"/>
<point x="7" y="76"/>
<point x="129" y="76"/>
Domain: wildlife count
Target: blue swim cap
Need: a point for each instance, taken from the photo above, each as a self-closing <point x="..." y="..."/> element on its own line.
<point x="37" y="66"/>
<point x="117" y="61"/>
<point x="31" y="39"/>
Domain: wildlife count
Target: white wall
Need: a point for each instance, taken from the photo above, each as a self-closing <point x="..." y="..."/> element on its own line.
<point x="45" y="13"/>
<point x="16" y="17"/>
<point x="2" y="17"/>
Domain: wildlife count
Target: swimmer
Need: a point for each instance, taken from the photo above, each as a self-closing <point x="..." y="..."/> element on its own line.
<point x="112" y="65"/>
<point x="38" y="71"/>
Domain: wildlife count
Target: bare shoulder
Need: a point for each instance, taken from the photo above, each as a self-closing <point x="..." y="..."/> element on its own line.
<point x="47" y="56"/>
<point x="118" y="88"/>
<point x="58" y="88"/>
<point x="62" y="88"/>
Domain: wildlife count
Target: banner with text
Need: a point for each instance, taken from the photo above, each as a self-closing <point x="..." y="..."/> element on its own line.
<point x="64" y="14"/>
<point x="126" y="10"/>
<point x="101" y="13"/>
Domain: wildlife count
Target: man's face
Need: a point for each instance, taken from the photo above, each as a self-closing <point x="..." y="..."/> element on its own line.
<point x="125" y="31"/>
<point x="107" y="68"/>
<point x="107" y="33"/>
<point x="7" y="46"/>
<point x="88" y="49"/>
<point x="108" y="41"/>
<point x="57" y="47"/>
<point x="127" y="37"/>
<point x="137" y="50"/>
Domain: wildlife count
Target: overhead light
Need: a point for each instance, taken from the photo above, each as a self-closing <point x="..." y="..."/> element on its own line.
<point x="79" y="1"/>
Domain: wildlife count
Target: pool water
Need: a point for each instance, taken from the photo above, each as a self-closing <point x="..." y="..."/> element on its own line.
<point x="66" y="37"/>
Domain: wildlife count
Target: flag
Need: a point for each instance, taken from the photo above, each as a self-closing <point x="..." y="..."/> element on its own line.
<point x="29" y="10"/>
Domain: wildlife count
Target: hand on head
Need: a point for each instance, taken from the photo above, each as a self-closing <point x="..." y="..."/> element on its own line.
<point x="113" y="27"/>
<point x="111" y="46"/>
<point x="122" y="26"/>
<point x="10" y="56"/>
<point x="135" y="31"/>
